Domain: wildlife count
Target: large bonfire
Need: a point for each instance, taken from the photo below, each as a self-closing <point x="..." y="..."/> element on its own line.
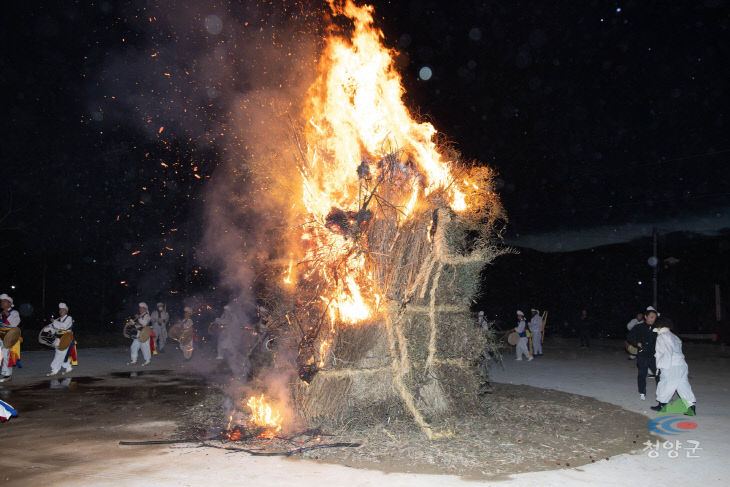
<point x="392" y="235"/>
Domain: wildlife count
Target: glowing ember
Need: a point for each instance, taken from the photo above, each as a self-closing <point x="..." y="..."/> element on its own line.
<point x="263" y="415"/>
<point x="287" y="279"/>
<point x="234" y="435"/>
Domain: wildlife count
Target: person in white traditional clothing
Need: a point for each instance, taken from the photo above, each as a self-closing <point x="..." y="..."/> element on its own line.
<point x="522" y="347"/>
<point x="224" y="322"/>
<point x="536" y="332"/>
<point x="6" y="410"/>
<point x="9" y="318"/>
<point x="482" y="321"/>
<point x="160" y="318"/>
<point x="674" y="371"/>
<point x="143" y="320"/>
<point x="187" y="324"/>
<point x="61" y="358"/>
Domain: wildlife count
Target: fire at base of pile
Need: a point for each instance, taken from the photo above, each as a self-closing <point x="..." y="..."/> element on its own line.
<point x="421" y="362"/>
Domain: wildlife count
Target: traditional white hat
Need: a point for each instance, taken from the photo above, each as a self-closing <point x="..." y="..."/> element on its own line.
<point x="143" y="305"/>
<point x="5" y="297"/>
<point x="520" y="313"/>
<point x="535" y="310"/>
<point x="160" y="305"/>
<point x="188" y="309"/>
<point x="481" y="313"/>
<point x="660" y="330"/>
<point x="63" y="306"/>
<point x="651" y="309"/>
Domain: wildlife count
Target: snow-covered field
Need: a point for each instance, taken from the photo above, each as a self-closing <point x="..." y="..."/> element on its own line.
<point x="602" y="372"/>
<point x="605" y="373"/>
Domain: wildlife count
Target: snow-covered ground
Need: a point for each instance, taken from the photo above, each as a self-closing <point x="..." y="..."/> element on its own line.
<point x="602" y="372"/>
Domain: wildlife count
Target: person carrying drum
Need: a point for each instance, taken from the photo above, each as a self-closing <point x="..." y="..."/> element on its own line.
<point x="6" y="410"/>
<point x="65" y="356"/>
<point x="9" y="320"/>
<point x="187" y="326"/>
<point x="522" y="347"/>
<point x="143" y="340"/>
<point x="160" y="319"/>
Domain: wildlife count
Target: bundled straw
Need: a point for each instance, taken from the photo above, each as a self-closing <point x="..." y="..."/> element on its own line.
<point x="421" y="358"/>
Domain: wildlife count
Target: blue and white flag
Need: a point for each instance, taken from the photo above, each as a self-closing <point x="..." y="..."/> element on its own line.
<point x="6" y="411"/>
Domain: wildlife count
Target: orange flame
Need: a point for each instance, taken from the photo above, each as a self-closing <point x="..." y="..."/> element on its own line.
<point x="263" y="415"/>
<point x="356" y="117"/>
<point x="357" y="111"/>
<point x="234" y="435"/>
<point x="287" y="279"/>
<point x="322" y="353"/>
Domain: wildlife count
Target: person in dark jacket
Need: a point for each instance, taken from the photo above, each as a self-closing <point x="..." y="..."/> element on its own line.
<point x="644" y="339"/>
<point x="585" y="323"/>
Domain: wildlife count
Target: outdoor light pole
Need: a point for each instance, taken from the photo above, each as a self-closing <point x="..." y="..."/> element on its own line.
<point x="43" y="285"/>
<point x="656" y="269"/>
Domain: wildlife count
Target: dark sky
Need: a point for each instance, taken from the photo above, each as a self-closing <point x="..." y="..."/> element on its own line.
<point x="602" y="118"/>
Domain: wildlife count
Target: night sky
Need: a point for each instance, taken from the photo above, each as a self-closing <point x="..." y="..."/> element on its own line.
<point x="596" y="114"/>
<point x="603" y="119"/>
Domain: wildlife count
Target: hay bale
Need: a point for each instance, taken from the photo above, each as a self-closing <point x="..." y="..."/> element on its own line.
<point x="420" y="360"/>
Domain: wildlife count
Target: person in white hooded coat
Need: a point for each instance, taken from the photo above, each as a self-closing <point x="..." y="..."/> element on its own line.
<point x="674" y="371"/>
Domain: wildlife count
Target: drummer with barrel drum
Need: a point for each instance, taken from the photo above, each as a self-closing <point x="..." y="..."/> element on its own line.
<point x="187" y="341"/>
<point x="59" y="334"/>
<point x="143" y="338"/>
<point x="9" y="337"/>
<point x="183" y="332"/>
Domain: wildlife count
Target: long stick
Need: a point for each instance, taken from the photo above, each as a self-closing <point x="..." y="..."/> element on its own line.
<point x="158" y="442"/>
<point x="285" y="453"/>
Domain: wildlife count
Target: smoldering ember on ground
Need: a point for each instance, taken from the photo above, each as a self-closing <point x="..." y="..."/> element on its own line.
<point x="322" y="211"/>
